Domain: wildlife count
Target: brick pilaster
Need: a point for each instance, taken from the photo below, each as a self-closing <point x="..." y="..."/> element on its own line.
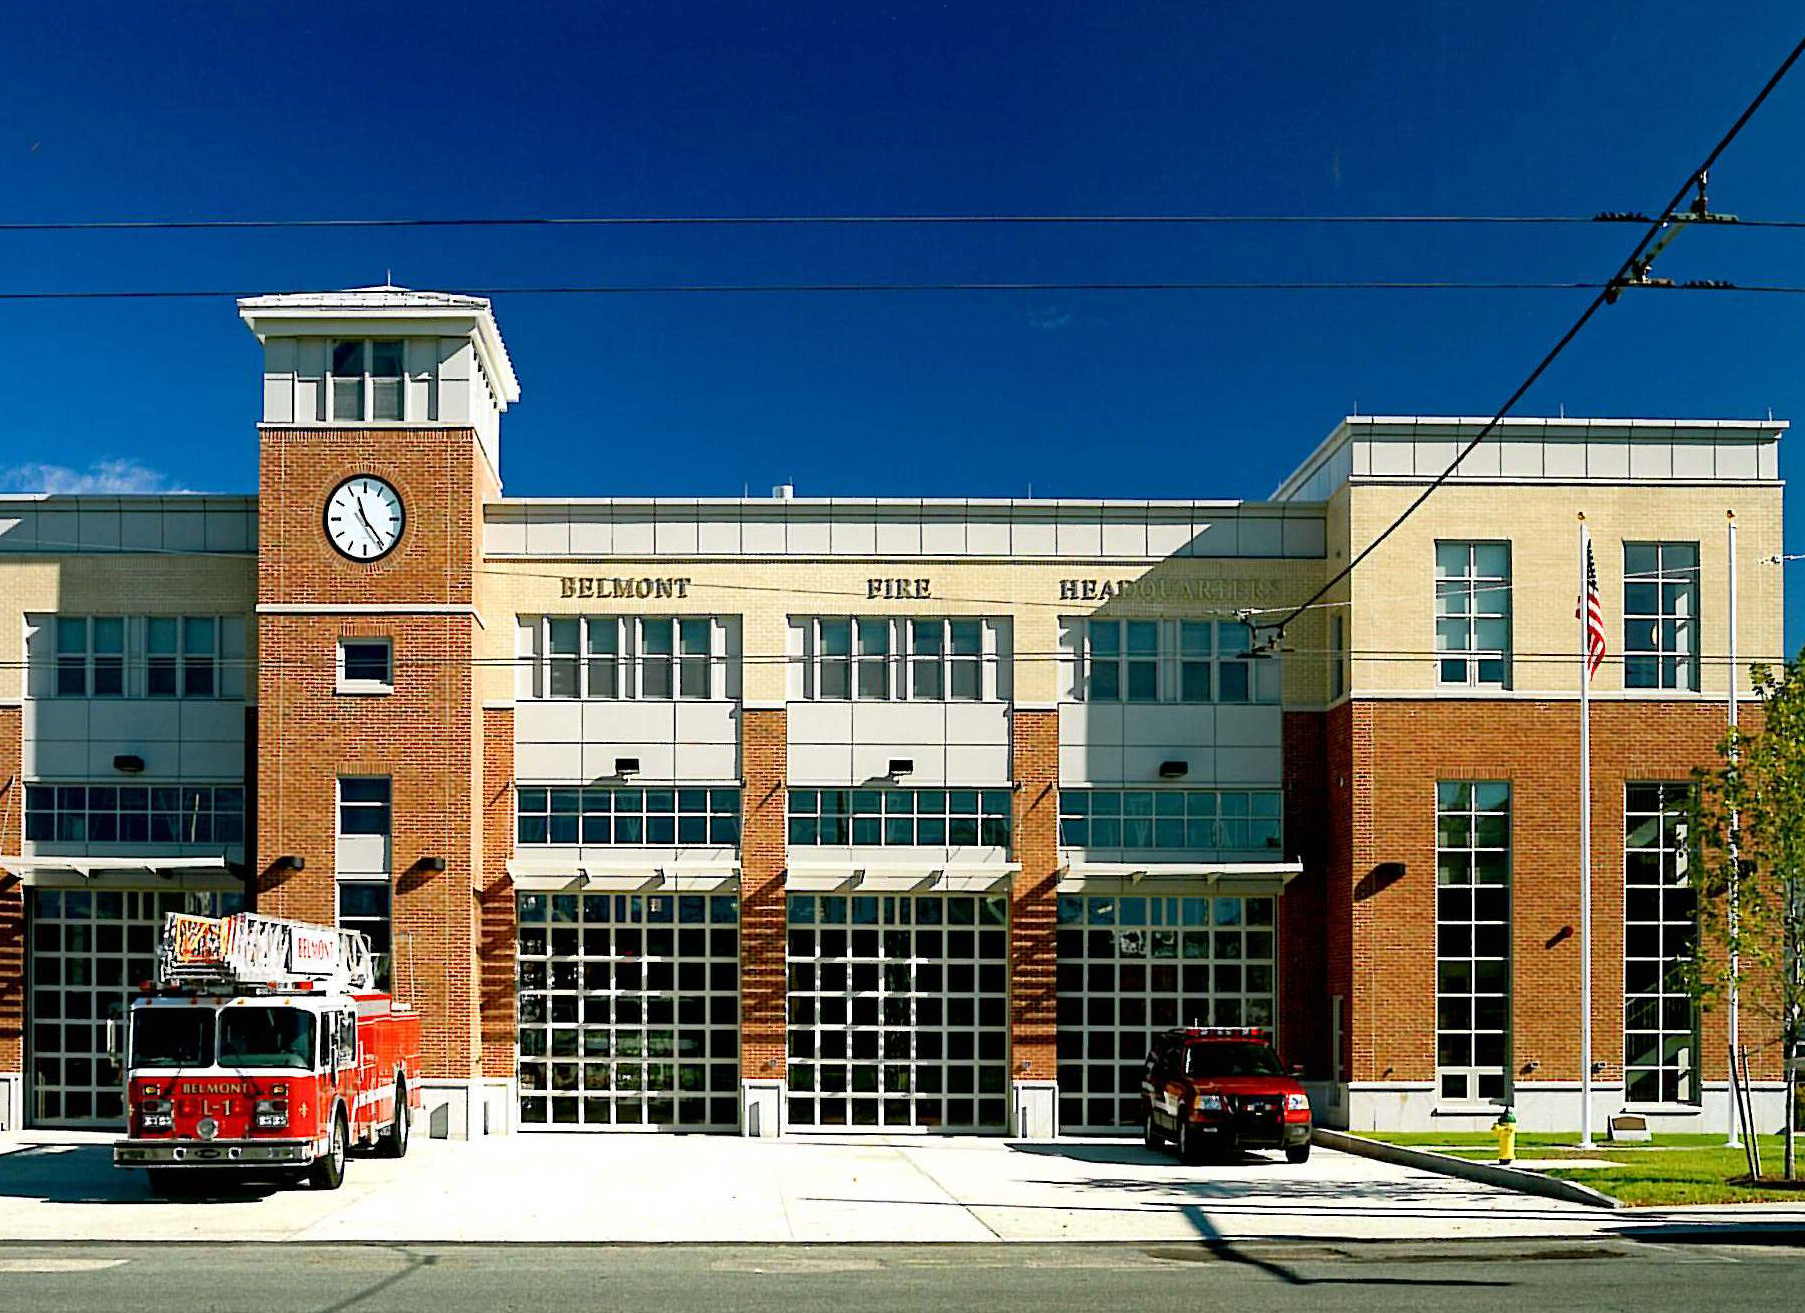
<point x="1303" y="1007"/>
<point x="1034" y="896"/>
<point x="495" y="896"/>
<point x="12" y="894"/>
<point x="764" y="753"/>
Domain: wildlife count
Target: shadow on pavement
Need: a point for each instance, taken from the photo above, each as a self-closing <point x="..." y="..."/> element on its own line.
<point x="83" y="1173"/>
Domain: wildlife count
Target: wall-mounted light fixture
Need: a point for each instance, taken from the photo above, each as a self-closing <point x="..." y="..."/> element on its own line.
<point x="1174" y="770"/>
<point x="626" y="767"/>
<point x="293" y="861"/>
<point x="900" y="768"/>
<point x="432" y="863"/>
<point x="127" y="763"/>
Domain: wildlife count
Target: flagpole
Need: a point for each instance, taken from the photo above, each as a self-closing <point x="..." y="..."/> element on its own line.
<point x="1734" y="1139"/>
<point x="1585" y="843"/>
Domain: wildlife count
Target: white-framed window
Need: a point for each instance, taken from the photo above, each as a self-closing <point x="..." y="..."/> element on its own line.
<point x="642" y="658"/>
<point x="366" y="665"/>
<point x="186" y="814"/>
<point x="1660" y="932"/>
<point x="363" y="805"/>
<point x="1660" y="615"/>
<point x="157" y="656"/>
<point x="897" y="659"/>
<point x="599" y="815"/>
<point x="1472" y="941"/>
<point x="367" y="906"/>
<point x="1472" y="613"/>
<point x="1186" y="661"/>
<point x="369" y="380"/>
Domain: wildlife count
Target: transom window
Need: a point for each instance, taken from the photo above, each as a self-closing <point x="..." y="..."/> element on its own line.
<point x="651" y="817"/>
<point x="1660" y="930"/>
<point x="1472" y="941"/>
<point x="1660" y="615"/>
<point x="887" y="658"/>
<point x="159" y="656"/>
<point x="368" y="380"/>
<point x="1472" y="613"/>
<point x="186" y="814"/>
<point x="363" y="805"/>
<point x="648" y="658"/>
<point x="1207" y="819"/>
<point x="1168" y="661"/>
<point x="930" y="818"/>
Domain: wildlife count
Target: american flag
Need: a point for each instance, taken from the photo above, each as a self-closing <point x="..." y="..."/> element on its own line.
<point x="1595" y="644"/>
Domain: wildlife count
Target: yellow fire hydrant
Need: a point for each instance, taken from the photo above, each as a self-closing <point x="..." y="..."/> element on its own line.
<point x="1505" y="1128"/>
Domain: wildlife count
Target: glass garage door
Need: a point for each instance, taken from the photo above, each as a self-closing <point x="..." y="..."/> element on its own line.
<point x="899" y="1011"/>
<point x="1131" y="966"/>
<point x="89" y="951"/>
<point x="629" y="1011"/>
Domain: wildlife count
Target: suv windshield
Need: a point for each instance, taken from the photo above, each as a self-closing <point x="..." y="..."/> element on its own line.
<point x="266" y="1037"/>
<point x="172" y="1037"/>
<point x="1223" y="1058"/>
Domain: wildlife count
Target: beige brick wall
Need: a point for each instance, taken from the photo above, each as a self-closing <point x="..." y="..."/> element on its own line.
<point x="1393" y="593"/>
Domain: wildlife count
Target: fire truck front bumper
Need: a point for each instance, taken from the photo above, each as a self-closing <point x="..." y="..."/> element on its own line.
<point x="211" y="1153"/>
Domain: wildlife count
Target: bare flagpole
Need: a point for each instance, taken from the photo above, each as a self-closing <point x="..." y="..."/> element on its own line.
<point x="1585" y="837"/>
<point x="1734" y="1139"/>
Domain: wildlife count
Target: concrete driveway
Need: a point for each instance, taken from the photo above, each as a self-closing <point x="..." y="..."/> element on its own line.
<point x="662" y="1188"/>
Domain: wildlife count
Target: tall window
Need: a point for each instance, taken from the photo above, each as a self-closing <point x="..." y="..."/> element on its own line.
<point x="1660" y="928"/>
<point x="1472" y="940"/>
<point x="1472" y="612"/>
<point x="90" y="656"/>
<point x="363" y="806"/>
<point x="1660" y="615"/>
<point x="1337" y="656"/>
<point x="366" y="906"/>
<point x="367" y="380"/>
<point x="647" y="658"/>
<point x="886" y="658"/>
<point x="1166" y="661"/>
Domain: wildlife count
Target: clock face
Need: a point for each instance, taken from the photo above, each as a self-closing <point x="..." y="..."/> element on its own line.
<point x="364" y="518"/>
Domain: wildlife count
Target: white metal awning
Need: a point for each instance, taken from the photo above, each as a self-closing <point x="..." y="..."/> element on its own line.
<point x="631" y="877"/>
<point x="926" y="877"/>
<point x="122" y="871"/>
<point x="1177" y="877"/>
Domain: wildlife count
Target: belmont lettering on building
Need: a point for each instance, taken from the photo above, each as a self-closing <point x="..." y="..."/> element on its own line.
<point x="641" y="588"/>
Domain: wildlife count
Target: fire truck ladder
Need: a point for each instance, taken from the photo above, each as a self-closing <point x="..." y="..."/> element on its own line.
<point x="247" y="951"/>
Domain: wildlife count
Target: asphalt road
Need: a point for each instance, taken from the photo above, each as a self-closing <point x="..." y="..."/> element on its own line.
<point x="1643" y="1276"/>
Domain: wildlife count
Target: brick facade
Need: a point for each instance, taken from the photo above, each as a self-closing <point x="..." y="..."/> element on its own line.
<point x="426" y="735"/>
<point x="1034" y="895"/>
<point x="1392" y="753"/>
<point x="1303" y="1018"/>
<point x="495" y="896"/>
<point x="12" y="895"/>
<point x="764" y="753"/>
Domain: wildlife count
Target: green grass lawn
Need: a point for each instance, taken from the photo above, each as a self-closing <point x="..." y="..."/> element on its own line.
<point x="1674" y="1169"/>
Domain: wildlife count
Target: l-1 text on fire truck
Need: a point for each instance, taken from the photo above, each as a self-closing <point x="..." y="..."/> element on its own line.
<point x="264" y="1048"/>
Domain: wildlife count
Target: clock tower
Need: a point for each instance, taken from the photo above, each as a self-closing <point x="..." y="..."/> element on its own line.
<point x="379" y="445"/>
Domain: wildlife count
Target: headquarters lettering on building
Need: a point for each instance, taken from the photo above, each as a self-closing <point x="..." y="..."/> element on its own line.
<point x="751" y="814"/>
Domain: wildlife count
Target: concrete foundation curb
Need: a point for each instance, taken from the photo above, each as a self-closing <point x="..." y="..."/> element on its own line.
<point x="1510" y="1178"/>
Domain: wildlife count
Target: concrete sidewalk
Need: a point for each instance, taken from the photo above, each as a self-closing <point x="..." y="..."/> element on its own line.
<point x="663" y="1188"/>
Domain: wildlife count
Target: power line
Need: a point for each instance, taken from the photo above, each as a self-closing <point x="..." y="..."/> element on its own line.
<point x="852" y="220"/>
<point x="1632" y="272"/>
<point x="766" y="289"/>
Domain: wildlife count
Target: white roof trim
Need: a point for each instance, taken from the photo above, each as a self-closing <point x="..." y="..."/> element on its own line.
<point x="88" y="867"/>
<point x="925" y="877"/>
<point x="1156" y="877"/>
<point x="650" y="877"/>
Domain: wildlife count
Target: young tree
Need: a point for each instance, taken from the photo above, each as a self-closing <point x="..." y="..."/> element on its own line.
<point x="1748" y="824"/>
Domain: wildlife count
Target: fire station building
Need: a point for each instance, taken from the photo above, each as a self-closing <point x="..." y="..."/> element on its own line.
<point x="783" y="813"/>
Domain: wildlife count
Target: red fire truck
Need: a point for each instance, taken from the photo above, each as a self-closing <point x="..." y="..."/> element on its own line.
<point x="263" y="1048"/>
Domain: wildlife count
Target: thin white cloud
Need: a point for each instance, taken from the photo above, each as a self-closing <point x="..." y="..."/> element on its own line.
<point x="1049" y="319"/>
<point x="122" y="475"/>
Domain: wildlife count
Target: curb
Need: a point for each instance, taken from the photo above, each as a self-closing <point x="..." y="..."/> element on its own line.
<point x="1510" y="1178"/>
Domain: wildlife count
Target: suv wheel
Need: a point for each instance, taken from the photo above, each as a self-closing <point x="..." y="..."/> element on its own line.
<point x="1151" y="1135"/>
<point x="1298" y="1153"/>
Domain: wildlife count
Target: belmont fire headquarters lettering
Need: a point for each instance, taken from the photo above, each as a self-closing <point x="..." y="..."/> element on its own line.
<point x="603" y="586"/>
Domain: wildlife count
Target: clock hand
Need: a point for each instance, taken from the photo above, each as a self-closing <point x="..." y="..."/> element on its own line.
<point x="376" y="537"/>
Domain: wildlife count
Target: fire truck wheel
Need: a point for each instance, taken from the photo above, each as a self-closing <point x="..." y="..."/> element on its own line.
<point x="1151" y="1135"/>
<point x="1297" y="1153"/>
<point x="329" y="1172"/>
<point x="394" y="1144"/>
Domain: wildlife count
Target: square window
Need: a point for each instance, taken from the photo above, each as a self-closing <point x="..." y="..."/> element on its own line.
<point x="366" y="665"/>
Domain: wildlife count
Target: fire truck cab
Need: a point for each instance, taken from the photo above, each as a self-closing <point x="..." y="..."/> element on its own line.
<point x="264" y="1050"/>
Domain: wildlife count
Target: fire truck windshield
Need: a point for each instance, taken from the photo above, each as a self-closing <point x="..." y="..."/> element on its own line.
<point x="172" y="1037"/>
<point x="266" y="1037"/>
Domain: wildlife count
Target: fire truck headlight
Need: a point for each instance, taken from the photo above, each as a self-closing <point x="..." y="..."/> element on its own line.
<point x="272" y="1113"/>
<point x="206" y="1128"/>
<point x="156" y="1114"/>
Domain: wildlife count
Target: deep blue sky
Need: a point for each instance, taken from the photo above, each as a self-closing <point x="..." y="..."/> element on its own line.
<point x="250" y="110"/>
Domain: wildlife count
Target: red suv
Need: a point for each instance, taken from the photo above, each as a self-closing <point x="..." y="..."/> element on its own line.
<point x="1219" y="1089"/>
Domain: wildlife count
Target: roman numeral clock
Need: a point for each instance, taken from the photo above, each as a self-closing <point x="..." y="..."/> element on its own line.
<point x="364" y="518"/>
